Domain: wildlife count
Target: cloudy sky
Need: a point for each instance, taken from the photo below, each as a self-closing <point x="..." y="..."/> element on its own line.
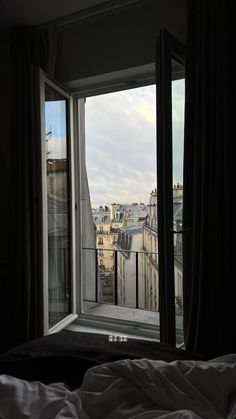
<point x="120" y="134"/>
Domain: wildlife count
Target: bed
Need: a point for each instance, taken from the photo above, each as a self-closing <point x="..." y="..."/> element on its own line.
<point x="78" y="375"/>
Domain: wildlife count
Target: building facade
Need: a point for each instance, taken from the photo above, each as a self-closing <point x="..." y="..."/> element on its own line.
<point x="130" y="267"/>
<point x="150" y="255"/>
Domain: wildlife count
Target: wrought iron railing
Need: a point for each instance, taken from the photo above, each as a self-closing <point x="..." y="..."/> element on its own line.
<point x="108" y="269"/>
<point x="116" y="271"/>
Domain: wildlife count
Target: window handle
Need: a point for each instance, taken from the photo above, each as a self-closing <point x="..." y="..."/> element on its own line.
<point x="184" y="230"/>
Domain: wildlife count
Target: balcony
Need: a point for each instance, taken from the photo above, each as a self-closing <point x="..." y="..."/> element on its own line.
<point x="103" y="233"/>
<point x="114" y="230"/>
<point x="123" y="289"/>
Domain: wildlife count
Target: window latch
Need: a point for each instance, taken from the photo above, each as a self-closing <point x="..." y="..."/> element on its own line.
<point x="184" y="230"/>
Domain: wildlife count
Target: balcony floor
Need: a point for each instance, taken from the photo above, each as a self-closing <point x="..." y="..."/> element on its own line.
<point x="137" y="318"/>
<point x="126" y="313"/>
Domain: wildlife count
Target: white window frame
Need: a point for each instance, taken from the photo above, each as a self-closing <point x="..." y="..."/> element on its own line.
<point x="92" y="86"/>
<point x="44" y="80"/>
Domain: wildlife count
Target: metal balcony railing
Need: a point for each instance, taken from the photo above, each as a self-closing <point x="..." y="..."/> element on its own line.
<point x="106" y="278"/>
<point x="123" y="281"/>
<point x="114" y="230"/>
<point x="117" y="270"/>
<point x="104" y="233"/>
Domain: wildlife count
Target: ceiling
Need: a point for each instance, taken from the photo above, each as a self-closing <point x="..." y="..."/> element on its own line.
<point x="36" y="12"/>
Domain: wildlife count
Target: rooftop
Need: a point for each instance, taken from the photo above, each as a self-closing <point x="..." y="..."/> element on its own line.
<point x="101" y="218"/>
<point x="136" y="229"/>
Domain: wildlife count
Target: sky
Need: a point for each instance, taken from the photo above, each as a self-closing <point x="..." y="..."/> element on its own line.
<point x="120" y="138"/>
<point x="120" y="133"/>
<point x="55" y="121"/>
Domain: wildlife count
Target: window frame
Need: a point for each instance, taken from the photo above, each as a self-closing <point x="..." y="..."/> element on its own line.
<point x="168" y="48"/>
<point x="92" y="86"/>
<point x="43" y="80"/>
<point x="79" y="90"/>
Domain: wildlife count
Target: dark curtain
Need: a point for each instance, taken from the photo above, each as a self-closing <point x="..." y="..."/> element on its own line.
<point x="209" y="178"/>
<point x="30" y="48"/>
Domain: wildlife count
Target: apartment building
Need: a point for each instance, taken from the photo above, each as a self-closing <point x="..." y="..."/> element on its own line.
<point x="178" y="247"/>
<point x="130" y="267"/>
<point x="111" y="226"/>
<point x="150" y="255"/>
<point x="117" y="221"/>
<point x="103" y="241"/>
<point x="107" y="225"/>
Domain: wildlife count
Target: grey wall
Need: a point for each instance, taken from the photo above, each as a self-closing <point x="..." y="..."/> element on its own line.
<point x="5" y="167"/>
<point x="119" y="40"/>
<point x="5" y="77"/>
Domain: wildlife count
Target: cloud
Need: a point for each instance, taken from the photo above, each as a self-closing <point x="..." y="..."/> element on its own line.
<point x="178" y="97"/>
<point x="121" y="145"/>
<point x="105" y="188"/>
<point x="120" y="135"/>
<point x="147" y="112"/>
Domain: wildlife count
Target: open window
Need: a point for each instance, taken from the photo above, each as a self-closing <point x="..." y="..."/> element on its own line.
<point x="58" y="199"/>
<point x="119" y="202"/>
<point x="170" y="154"/>
<point x="112" y="222"/>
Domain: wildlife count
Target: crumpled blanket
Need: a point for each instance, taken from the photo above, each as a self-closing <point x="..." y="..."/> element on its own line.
<point x="130" y="389"/>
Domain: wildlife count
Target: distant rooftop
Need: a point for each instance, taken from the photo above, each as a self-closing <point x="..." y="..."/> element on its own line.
<point x="136" y="229"/>
<point x="101" y="218"/>
<point x="124" y="241"/>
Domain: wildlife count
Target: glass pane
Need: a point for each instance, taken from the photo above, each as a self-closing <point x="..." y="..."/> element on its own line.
<point x="178" y="98"/>
<point x="59" y="283"/>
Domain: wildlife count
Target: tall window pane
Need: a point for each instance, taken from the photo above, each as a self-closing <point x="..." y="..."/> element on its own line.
<point x="178" y="98"/>
<point x="58" y="205"/>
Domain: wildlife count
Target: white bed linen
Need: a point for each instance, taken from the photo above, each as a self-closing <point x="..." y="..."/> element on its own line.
<point x="137" y="389"/>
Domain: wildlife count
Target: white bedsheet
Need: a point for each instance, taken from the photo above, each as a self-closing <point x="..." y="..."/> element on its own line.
<point x="139" y="389"/>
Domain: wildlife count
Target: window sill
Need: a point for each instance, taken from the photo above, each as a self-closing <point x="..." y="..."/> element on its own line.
<point x="63" y="324"/>
<point x="123" y="321"/>
<point x="120" y="321"/>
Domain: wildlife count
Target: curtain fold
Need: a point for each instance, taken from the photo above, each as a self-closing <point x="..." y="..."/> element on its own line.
<point x="209" y="178"/>
<point x="30" y="48"/>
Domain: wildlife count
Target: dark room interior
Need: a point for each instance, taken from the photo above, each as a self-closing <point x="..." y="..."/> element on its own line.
<point x="80" y="45"/>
